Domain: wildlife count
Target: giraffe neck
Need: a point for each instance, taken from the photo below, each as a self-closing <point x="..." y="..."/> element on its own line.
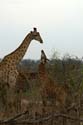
<point x="42" y="72"/>
<point x="16" y="56"/>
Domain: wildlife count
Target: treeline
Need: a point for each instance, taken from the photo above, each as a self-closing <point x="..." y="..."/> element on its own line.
<point x="67" y="70"/>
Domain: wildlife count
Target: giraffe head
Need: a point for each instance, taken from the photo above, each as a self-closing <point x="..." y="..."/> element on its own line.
<point x="36" y="35"/>
<point x="44" y="58"/>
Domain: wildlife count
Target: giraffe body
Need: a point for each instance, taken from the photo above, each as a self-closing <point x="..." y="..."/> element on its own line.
<point x="8" y="65"/>
<point x="50" y="90"/>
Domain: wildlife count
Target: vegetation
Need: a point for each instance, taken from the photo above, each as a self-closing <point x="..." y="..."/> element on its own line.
<point x="67" y="70"/>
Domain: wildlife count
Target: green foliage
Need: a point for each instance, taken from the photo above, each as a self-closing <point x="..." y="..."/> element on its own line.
<point x="68" y="69"/>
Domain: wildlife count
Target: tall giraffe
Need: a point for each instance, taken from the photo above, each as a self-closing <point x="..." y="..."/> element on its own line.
<point x="8" y="65"/>
<point x="50" y="90"/>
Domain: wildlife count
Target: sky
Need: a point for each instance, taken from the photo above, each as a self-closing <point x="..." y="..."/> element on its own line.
<point x="60" y="23"/>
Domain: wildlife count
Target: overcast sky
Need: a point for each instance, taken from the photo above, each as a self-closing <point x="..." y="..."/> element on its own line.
<point x="60" y="23"/>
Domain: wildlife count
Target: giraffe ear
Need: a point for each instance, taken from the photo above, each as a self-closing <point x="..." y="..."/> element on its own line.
<point x="35" y="29"/>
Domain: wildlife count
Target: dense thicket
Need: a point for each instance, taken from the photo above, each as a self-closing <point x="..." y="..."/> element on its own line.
<point x="67" y="70"/>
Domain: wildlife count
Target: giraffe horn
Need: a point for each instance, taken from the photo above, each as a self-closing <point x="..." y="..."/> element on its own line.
<point x="35" y="29"/>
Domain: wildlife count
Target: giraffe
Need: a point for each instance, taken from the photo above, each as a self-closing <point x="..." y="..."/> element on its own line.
<point x="50" y="90"/>
<point x="8" y="65"/>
